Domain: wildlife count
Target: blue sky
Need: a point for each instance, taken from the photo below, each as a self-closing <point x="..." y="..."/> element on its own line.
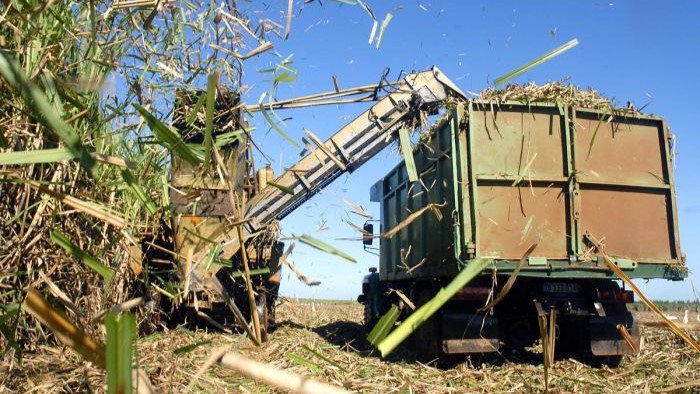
<point x="637" y="51"/>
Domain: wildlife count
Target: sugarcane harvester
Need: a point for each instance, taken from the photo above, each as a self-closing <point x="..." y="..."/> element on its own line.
<point x="230" y="204"/>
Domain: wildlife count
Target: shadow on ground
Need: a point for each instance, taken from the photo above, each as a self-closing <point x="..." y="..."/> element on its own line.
<point x="350" y="336"/>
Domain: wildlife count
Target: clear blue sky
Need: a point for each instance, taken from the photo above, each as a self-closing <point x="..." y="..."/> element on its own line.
<point x="639" y="51"/>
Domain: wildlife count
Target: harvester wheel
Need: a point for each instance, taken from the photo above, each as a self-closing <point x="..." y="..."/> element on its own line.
<point x="263" y="315"/>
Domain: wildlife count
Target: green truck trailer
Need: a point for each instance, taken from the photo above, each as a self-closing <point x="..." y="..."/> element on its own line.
<point x="543" y="191"/>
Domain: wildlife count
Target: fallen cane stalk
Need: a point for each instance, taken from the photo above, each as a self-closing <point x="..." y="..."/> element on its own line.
<point x="213" y="359"/>
<point x="63" y="328"/>
<point x="249" y="284"/>
<point x="281" y="380"/>
<point x="73" y="337"/>
<point x="542" y="322"/>
<point x="626" y="336"/>
<point x="124" y="306"/>
<point x="679" y="331"/>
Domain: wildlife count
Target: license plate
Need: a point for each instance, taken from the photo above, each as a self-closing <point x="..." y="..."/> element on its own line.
<point x="561" y="287"/>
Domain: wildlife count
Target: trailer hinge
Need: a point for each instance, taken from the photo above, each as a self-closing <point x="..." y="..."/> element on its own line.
<point x="471" y="250"/>
<point x="577" y="204"/>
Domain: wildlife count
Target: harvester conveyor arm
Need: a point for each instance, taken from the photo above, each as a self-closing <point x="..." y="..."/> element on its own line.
<point x="353" y="145"/>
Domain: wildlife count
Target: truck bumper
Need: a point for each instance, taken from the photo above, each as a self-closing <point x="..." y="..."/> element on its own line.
<point x="607" y="340"/>
<point x="467" y="333"/>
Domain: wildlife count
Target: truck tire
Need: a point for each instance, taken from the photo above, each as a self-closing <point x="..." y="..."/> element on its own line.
<point x="427" y="338"/>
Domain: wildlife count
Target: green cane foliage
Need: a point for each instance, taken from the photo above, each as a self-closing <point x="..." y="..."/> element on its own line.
<point x="61" y="240"/>
<point x="282" y="73"/>
<point x="595" y="132"/>
<point x="121" y="332"/>
<point x="322" y="246"/>
<point x="44" y="112"/>
<point x="301" y="361"/>
<point x="420" y="315"/>
<point x="209" y="117"/>
<point x="285" y="189"/>
<point x="240" y="274"/>
<point x="407" y="152"/>
<point x="276" y="127"/>
<point x="195" y="110"/>
<point x="8" y="325"/>
<point x="138" y="191"/>
<point x="188" y="348"/>
<point x="35" y="156"/>
<point x="382" y="28"/>
<point x="542" y="59"/>
<point x="383" y="326"/>
<point x="212" y="256"/>
<point x="168" y="138"/>
<point x="322" y="357"/>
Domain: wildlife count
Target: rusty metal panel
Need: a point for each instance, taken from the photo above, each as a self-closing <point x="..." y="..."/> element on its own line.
<point x="525" y="176"/>
<point x="200" y="233"/>
<point x="634" y="224"/>
<point x="509" y="137"/>
<point x="201" y="202"/>
<point x="625" y="178"/>
<point x="518" y="156"/>
<point x="512" y="218"/>
<point x="607" y="341"/>
<point x="468" y="346"/>
<point x="619" y="152"/>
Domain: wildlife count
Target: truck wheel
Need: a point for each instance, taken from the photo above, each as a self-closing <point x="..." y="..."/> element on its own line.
<point x="518" y="333"/>
<point x="427" y="337"/>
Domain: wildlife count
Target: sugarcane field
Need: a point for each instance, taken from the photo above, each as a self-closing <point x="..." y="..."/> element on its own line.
<point x="349" y="196"/>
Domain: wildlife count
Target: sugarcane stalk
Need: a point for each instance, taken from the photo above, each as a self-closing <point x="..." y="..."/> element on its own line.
<point x="423" y="313"/>
<point x="249" y="284"/>
<point x="613" y="267"/>
<point x="64" y="329"/>
<point x="281" y="380"/>
<point x="238" y="209"/>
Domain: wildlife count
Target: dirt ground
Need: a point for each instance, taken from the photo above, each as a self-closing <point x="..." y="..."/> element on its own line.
<point x="325" y="341"/>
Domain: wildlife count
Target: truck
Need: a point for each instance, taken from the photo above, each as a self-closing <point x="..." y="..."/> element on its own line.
<point x="544" y="191"/>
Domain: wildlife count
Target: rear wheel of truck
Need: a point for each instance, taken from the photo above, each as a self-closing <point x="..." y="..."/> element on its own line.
<point x="427" y="338"/>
